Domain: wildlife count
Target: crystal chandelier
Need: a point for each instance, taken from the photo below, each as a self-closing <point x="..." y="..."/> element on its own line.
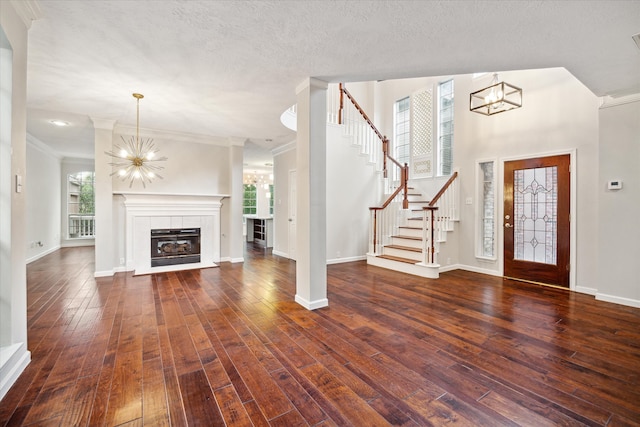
<point x="135" y="158"/>
<point x="497" y="98"/>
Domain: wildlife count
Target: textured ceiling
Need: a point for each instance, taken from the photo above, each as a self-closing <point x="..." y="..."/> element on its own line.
<point x="229" y="68"/>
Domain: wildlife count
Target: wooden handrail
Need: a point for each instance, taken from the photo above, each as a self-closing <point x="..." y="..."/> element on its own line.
<point x="360" y="110"/>
<point x="404" y="170"/>
<point x="443" y="189"/>
<point x="389" y="200"/>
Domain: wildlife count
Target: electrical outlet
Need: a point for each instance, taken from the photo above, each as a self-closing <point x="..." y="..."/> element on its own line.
<point x="121" y="261"/>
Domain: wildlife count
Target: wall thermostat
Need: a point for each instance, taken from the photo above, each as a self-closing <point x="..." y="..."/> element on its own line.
<point x="615" y="184"/>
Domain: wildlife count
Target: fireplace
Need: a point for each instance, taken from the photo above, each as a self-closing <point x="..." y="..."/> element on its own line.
<point x="146" y="212"/>
<point x="175" y="246"/>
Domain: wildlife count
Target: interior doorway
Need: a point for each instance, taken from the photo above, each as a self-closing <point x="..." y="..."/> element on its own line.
<point x="537" y="235"/>
<point x="293" y="199"/>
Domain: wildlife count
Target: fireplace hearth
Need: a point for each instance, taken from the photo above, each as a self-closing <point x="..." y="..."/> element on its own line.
<point x="175" y="246"/>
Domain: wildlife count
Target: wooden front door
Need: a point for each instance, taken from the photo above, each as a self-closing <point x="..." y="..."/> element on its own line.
<point x="536" y="219"/>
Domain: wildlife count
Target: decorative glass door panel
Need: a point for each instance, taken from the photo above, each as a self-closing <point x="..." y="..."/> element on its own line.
<point x="535" y="215"/>
<point x="536" y="219"/>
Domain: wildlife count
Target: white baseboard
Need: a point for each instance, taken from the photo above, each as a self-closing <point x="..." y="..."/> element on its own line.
<point x="473" y="269"/>
<point x="347" y="259"/>
<point x="280" y="253"/>
<point x="451" y="267"/>
<point x="77" y="244"/>
<point x="312" y="305"/>
<point x="15" y="359"/>
<point x="585" y="290"/>
<point x="40" y="255"/>
<point x="236" y="260"/>
<point x="121" y="269"/>
<point x="618" y="300"/>
<point x="106" y="273"/>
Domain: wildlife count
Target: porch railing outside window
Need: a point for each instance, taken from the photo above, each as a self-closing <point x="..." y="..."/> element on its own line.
<point x="81" y="205"/>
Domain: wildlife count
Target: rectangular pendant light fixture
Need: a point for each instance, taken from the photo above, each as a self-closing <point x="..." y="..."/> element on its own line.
<point x="497" y="98"/>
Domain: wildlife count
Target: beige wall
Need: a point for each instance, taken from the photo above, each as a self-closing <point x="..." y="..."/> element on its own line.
<point x="13" y="328"/>
<point x="618" y="230"/>
<point x="191" y="168"/>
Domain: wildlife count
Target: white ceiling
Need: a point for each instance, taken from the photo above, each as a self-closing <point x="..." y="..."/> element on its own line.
<point x="228" y="69"/>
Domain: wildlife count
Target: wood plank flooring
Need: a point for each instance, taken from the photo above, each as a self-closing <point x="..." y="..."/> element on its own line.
<point x="228" y="346"/>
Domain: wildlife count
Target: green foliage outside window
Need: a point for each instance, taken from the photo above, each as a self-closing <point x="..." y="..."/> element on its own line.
<point x="82" y="193"/>
<point x="249" y="206"/>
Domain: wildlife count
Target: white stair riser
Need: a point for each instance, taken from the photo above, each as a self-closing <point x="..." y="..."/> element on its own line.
<point x="417" y="256"/>
<point x="406" y="242"/>
<point x="413" y="232"/>
<point x="429" y="271"/>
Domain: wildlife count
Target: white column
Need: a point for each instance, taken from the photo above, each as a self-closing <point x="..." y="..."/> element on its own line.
<point x="104" y="198"/>
<point x="236" y="247"/>
<point x="311" y="232"/>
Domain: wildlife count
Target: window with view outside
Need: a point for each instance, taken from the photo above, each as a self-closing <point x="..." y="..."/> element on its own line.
<point x="487" y="204"/>
<point x="270" y="199"/>
<point x="81" y="204"/>
<point x="445" y="127"/>
<point x="249" y="203"/>
<point x="401" y="135"/>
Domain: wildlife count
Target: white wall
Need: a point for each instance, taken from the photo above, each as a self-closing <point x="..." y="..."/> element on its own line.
<point x="618" y="231"/>
<point x="353" y="186"/>
<point x="559" y="114"/>
<point x="192" y="167"/>
<point x="43" y="200"/>
<point x="13" y="334"/>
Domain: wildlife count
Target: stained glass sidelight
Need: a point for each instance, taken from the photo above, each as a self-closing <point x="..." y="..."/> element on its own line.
<point x="535" y="217"/>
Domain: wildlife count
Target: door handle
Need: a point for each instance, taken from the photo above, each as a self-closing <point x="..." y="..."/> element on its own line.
<point x="507" y="225"/>
<point x="290" y="220"/>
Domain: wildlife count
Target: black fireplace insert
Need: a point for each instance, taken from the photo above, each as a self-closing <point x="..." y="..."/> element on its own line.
<point x="171" y="246"/>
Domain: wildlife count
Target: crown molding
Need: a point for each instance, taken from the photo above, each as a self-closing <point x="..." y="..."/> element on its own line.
<point x="105" y="124"/>
<point x="176" y="136"/>
<point x="608" y="101"/>
<point x="284" y="148"/>
<point x="42" y="147"/>
<point x="311" y="82"/>
<point x="27" y="10"/>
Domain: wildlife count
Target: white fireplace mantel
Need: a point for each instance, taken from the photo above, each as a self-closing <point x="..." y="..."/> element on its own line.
<point x="147" y="211"/>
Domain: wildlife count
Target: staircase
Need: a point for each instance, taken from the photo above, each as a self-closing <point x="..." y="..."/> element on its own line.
<point x="407" y="229"/>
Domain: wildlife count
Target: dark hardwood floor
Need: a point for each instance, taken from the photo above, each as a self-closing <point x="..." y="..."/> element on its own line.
<point x="229" y="346"/>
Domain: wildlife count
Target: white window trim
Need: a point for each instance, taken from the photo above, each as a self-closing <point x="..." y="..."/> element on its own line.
<point x="479" y="210"/>
<point x="438" y="166"/>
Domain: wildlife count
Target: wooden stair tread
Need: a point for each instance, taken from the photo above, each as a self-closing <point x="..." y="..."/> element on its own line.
<point x="404" y="248"/>
<point x="399" y="259"/>
<point x="410" y="228"/>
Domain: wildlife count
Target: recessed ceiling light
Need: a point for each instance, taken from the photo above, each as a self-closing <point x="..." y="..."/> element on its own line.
<point x="59" y="122"/>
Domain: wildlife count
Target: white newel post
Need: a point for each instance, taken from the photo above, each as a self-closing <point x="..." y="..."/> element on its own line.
<point x="311" y="233"/>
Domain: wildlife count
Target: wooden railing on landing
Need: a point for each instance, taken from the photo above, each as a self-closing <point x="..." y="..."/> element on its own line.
<point x="404" y="169"/>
